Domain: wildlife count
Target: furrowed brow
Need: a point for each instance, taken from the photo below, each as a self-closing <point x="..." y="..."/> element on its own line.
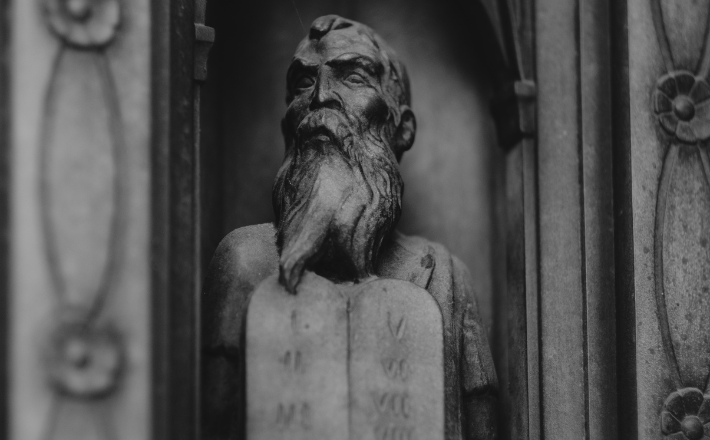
<point x="299" y="65"/>
<point x="358" y="60"/>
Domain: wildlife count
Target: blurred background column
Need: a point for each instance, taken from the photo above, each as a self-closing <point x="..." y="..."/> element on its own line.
<point x="98" y="194"/>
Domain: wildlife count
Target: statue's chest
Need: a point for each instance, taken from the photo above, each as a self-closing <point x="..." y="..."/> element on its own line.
<point x="334" y="362"/>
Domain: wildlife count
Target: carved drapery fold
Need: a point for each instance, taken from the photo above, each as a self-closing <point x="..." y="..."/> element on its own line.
<point x="681" y="102"/>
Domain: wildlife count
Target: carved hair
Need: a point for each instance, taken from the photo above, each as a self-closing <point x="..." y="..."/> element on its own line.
<point x="336" y="202"/>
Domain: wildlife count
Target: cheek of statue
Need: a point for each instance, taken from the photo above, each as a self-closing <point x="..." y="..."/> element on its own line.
<point x="372" y="110"/>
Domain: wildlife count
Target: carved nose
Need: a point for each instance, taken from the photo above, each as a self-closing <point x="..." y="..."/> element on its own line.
<point x="324" y="96"/>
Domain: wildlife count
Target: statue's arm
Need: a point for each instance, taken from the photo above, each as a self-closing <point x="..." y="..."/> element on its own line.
<point x="479" y="381"/>
<point x="243" y="258"/>
<point x="221" y="364"/>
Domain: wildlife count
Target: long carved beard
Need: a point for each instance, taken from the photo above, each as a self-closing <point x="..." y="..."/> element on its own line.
<point x="337" y="196"/>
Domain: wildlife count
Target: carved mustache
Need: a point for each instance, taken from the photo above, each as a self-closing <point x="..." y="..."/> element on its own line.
<point x="324" y="122"/>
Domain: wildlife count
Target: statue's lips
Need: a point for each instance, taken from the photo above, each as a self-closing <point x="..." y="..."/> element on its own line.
<point x="322" y="125"/>
<point x="321" y="134"/>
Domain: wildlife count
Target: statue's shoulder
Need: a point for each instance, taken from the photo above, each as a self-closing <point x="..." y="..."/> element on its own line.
<point x="414" y="259"/>
<point x="431" y="265"/>
<point x="244" y="258"/>
<point x="263" y="234"/>
<point x="417" y="244"/>
<point x="248" y="253"/>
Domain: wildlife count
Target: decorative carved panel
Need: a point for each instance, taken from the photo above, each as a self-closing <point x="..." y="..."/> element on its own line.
<point x="83" y="210"/>
<point x="80" y="250"/>
<point x="681" y="103"/>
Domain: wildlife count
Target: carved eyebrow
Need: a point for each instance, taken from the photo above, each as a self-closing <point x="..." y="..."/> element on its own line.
<point x="300" y="62"/>
<point x="356" y="59"/>
<point x="300" y="65"/>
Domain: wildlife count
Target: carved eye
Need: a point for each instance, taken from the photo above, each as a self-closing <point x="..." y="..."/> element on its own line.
<point x="304" y="82"/>
<point x="355" y="78"/>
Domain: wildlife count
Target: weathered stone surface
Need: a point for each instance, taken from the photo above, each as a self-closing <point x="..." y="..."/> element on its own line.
<point x="82" y="202"/>
<point x="248" y="256"/>
<point x="361" y="361"/>
<point x="296" y="369"/>
<point x="337" y="199"/>
<point x="686" y="267"/>
<point x="396" y="363"/>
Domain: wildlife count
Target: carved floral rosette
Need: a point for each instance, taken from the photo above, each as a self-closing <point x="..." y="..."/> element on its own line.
<point x="681" y="104"/>
<point x="686" y="414"/>
<point x="83" y="23"/>
<point x="83" y="211"/>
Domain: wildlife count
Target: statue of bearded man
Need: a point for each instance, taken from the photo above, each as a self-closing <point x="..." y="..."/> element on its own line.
<point x="337" y="199"/>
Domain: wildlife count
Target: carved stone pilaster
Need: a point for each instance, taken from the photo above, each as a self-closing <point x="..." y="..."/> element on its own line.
<point x="662" y="201"/>
<point x="80" y="201"/>
<point x="681" y="103"/>
<point x="558" y="309"/>
<point x="83" y="208"/>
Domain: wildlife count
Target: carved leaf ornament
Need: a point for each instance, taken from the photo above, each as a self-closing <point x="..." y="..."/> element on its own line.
<point x="681" y="104"/>
<point x="83" y="211"/>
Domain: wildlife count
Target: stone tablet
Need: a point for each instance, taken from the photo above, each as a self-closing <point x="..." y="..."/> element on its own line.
<point x="355" y="362"/>
<point x="296" y="362"/>
<point x="396" y="363"/>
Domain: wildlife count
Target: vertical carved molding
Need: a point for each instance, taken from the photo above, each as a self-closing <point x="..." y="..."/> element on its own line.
<point x="175" y="220"/>
<point x="560" y="299"/>
<point x="516" y="335"/>
<point x="681" y="102"/>
<point x="103" y="205"/>
<point x="80" y="252"/>
<point x="5" y="25"/>
<point x="83" y="211"/>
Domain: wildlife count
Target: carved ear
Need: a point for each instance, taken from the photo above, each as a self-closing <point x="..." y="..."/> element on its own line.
<point x="404" y="137"/>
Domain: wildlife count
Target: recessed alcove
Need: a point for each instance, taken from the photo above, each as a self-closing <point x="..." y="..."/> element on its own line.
<point x="453" y="175"/>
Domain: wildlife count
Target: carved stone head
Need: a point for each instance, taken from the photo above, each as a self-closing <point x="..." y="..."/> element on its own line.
<point x="348" y="122"/>
<point x="344" y="64"/>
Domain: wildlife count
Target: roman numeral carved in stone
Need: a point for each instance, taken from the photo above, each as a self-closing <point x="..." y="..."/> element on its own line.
<point x="291" y="360"/>
<point x="355" y="368"/>
<point x="397" y="326"/>
<point x="294" y="416"/>
<point x="396" y="369"/>
<point x="393" y="404"/>
<point x="394" y="432"/>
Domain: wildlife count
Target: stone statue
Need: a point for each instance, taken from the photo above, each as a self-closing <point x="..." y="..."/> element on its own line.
<point x="374" y="327"/>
